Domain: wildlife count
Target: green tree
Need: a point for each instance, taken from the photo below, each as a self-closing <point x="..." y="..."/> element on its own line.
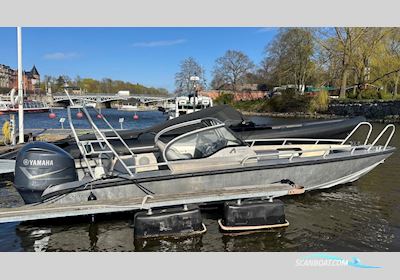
<point x="341" y="44"/>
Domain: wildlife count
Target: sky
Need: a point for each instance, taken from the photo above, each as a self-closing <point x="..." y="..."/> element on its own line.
<point x="149" y="56"/>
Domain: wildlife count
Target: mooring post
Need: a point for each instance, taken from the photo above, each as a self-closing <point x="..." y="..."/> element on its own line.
<point x="20" y="88"/>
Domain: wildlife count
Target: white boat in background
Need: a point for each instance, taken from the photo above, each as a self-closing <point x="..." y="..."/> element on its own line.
<point x="5" y="106"/>
<point x="87" y="104"/>
<point x="183" y="105"/>
<point x="10" y="105"/>
<point x="30" y="106"/>
<point x="135" y="108"/>
<point x="90" y="104"/>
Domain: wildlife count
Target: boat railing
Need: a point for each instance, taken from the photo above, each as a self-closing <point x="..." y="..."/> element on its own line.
<point x="81" y="148"/>
<point x="86" y="147"/>
<point x="278" y="153"/>
<point x="291" y="154"/>
<point x="101" y="139"/>
<point x="327" y="150"/>
<point x="356" y="128"/>
<point x="315" y="141"/>
<point x="381" y="134"/>
<point x="295" y="153"/>
<point x="289" y="141"/>
<point x="370" y="146"/>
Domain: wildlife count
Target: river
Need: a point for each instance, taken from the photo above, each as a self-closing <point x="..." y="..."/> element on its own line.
<point x="362" y="216"/>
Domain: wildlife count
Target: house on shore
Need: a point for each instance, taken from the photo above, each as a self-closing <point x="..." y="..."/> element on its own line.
<point x="9" y="79"/>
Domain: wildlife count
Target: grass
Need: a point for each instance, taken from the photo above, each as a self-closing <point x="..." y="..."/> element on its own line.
<point x="320" y="102"/>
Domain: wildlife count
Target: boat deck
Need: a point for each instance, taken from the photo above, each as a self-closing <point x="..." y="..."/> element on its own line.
<point x="50" y="210"/>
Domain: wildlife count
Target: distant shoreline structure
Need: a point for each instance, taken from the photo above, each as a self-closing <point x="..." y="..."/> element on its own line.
<point x="9" y="78"/>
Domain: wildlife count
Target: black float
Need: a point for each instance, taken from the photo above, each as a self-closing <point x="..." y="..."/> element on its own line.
<point x="248" y="215"/>
<point x="174" y="221"/>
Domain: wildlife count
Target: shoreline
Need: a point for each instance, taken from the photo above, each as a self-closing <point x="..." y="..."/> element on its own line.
<point x="290" y="115"/>
<point x="55" y="134"/>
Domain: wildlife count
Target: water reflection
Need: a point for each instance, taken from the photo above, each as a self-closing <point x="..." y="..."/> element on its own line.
<point x="97" y="236"/>
<point x="268" y="240"/>
<point x="186" y="244"/>
<point x="93" y="233"/>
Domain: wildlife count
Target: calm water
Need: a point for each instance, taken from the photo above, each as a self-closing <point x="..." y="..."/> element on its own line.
<point x="363" y="216"/>
<point x="42" y="120"/>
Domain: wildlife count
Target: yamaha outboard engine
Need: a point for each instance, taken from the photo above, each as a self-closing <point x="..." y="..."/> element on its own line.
<point x="39" y="165"/>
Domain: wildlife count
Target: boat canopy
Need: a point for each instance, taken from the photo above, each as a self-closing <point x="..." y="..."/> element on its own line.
<point x="204" y="138"/>
<point x="224" y="113"/>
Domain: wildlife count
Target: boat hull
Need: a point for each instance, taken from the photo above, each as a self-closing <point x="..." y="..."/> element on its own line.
<point x="311" y="174"/>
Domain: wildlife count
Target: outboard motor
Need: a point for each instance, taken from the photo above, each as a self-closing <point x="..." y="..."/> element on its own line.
<point x="39" y="165"/>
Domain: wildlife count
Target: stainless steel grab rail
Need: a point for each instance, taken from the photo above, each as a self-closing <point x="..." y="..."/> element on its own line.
<point x="291" y="154"/>
<point x="326" y="151"/>
<point x="290" y="140"/>
<point x="381" y="134"/>
<point x="356" y="128"/>
<point x="316" y="140"/>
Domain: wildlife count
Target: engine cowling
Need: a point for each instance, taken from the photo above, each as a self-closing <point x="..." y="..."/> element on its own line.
<point x="39" y="165"/>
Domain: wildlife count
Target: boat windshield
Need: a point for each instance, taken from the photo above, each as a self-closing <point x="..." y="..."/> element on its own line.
<point x="201" y="144"/>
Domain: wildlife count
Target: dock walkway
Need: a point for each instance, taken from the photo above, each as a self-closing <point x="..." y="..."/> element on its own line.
<point x="52" y="210"/>
<point x="7" y="166"/>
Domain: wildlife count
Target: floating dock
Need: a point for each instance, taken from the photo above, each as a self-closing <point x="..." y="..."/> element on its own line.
<point x="50" y="210"/>
<point x="7" y="166"/>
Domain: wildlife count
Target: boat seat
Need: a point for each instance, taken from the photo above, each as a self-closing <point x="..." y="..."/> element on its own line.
<point x="142" y="163"/>
<point x="224" y="158"/>
<point x="172" y="154"/>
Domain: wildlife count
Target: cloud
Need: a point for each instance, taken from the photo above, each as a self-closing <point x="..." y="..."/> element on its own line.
<point x="163" y="43"/>
<point x="60" y="55"/>
<point x="265" y="29"/>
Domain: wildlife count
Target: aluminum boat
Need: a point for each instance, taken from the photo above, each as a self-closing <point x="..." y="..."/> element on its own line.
<point x="204" y="157"/>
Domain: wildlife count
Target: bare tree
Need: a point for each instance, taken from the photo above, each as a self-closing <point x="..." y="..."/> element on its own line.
<point x="218" y="82"/>
<point x="188" y="68"/>
<point x="232" y="68"/>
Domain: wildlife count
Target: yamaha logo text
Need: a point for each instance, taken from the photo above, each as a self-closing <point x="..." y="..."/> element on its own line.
<point x="38" y="162"/>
